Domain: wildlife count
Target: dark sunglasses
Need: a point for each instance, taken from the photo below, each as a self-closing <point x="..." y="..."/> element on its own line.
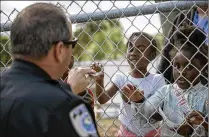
<point x="68" y="42"/>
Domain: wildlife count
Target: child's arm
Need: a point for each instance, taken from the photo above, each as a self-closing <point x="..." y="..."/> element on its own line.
<point x="198" y="118"/>
<point x="160" y="80"/>
<point x="195" y="118"/>
<point x="102" y="94"/>
<point x="149" y="106"/>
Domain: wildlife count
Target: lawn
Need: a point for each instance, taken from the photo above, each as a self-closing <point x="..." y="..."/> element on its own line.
<point x="108" y="127"/>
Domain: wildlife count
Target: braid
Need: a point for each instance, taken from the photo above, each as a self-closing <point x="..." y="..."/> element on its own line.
<point x="192" y="39"/>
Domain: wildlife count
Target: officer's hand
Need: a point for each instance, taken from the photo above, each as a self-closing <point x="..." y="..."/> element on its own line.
<point x="79" y="78"/>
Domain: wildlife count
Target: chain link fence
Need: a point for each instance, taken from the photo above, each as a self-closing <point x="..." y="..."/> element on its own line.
<point x="102" y="37"/>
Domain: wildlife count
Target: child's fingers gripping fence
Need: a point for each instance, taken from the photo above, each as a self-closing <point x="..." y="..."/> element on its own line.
<point x="105" y="34"/>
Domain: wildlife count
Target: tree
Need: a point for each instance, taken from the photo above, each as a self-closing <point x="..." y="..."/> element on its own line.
<point x="96" y="41"/>
<point x="99" y="40"/>
<point x="5" y="55"/>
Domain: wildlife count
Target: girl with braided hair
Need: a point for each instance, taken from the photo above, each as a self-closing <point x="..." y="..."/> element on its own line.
<point x="183" y="104"/>
<point x="198" y="17"/>
<point x="141" y="50"/>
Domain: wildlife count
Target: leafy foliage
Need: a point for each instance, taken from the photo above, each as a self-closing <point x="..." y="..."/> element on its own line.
<point x="99" y="40"/>
<point x="5" y="55"/>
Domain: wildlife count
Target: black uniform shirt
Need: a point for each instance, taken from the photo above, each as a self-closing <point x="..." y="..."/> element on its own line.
<point x="34" y="105"/>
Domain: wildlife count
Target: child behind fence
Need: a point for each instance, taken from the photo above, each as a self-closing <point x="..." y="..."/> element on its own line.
<point x="196" y="16"/>
<point x="183" y="105"/>
<point x="141" y="50"/>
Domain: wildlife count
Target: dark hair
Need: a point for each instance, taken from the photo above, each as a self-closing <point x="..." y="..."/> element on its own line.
<point x="199" y="53"/>
<point x="36" y="28"/>
<point x="146" y="36"/>
<point x="192" y="39"/>
<point x="194" y="35"/>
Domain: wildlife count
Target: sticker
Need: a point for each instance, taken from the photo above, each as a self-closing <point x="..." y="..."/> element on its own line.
<point x="82" y="121"/>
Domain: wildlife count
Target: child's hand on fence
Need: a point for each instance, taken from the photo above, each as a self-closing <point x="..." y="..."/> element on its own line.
<point x="132" y="93"/>
<point x="196" y="118"/>
<point x="185" y="129"/>
<point x="100" y="71"/>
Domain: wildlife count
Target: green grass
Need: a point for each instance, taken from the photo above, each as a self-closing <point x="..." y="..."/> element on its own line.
<point x="108" y="127"/>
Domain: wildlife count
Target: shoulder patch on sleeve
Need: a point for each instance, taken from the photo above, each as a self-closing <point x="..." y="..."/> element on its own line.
<point x="82" y="121"/>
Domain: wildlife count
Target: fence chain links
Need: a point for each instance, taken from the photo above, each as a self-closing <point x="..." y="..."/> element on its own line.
<point x="107" y="114"/>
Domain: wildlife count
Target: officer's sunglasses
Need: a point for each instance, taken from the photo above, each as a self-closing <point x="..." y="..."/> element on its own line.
<point x="68" y="42"/>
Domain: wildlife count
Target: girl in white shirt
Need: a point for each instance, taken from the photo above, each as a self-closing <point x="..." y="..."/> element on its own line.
<point x="141" y="50"/>
<point x="183" y="105"/>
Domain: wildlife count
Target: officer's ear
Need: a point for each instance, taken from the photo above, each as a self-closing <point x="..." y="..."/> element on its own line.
<point x="59" y="52"/>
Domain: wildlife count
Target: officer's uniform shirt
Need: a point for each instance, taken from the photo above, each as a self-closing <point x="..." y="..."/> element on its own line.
<point x="34" y="105"/>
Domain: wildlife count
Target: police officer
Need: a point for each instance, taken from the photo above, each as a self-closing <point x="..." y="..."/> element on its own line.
<point x="33" y="102"/>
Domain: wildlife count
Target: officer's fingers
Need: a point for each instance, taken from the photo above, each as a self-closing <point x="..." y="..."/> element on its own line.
<point x="80" y="72"/>
<point x="88" y="78"/>
<point x="75" y="75"/>
<point x="86" y="70"/>
<point x="81" y="83"/>
<point x="73" y="71"/>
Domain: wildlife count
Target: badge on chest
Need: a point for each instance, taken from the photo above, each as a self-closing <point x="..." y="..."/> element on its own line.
<point x="82" y="121"/>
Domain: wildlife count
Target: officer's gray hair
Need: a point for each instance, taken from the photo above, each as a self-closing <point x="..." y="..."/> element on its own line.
<point x="36" y="28"/>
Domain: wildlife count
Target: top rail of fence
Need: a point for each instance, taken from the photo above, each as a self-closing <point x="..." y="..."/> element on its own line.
<point x="127" y="12"/>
